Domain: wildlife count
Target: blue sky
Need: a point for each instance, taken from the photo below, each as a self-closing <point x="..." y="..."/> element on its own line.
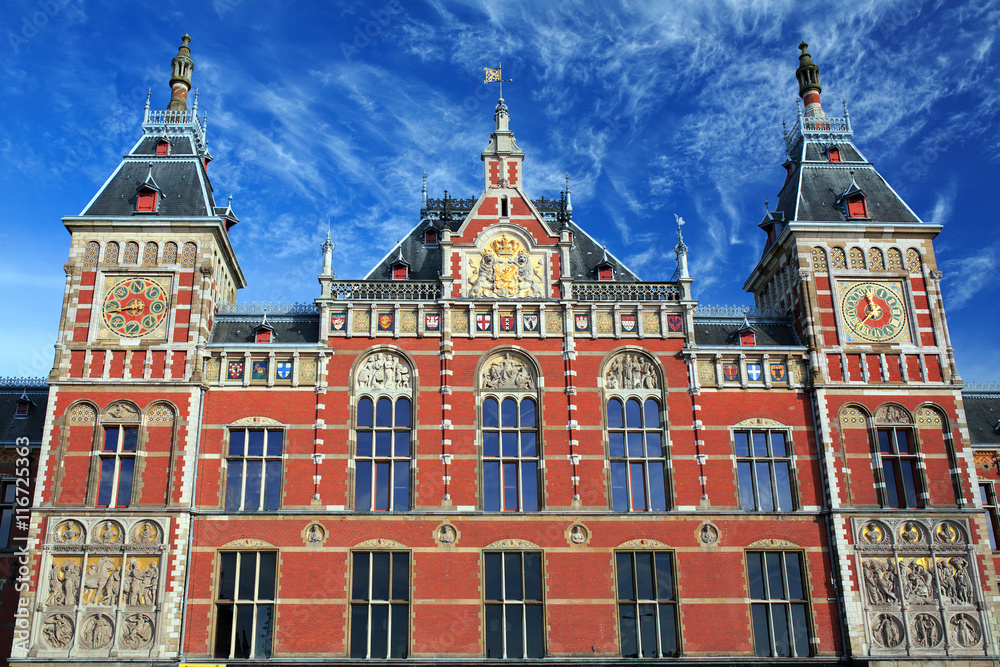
<point x="332" y="112"/>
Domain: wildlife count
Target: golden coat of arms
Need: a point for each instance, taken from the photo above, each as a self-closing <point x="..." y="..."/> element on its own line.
<point x="505" y="270"/>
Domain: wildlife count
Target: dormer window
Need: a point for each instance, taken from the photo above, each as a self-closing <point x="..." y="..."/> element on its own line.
<point x="163" y="147"/>
<point x="857" y="207"/>
<point x="147" y="201"/>
<point x="605" y="273"/>
<point x="22" y="409"/>
<point x="748" y="338"/>
<point x="262" y="336"/>
<point x="833" y="154"/>
<point x="400" y="272"/>
<point x="430" y="237"/>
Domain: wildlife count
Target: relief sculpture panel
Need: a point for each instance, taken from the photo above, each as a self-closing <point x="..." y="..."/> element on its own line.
<point x="920" y="593"/>
<point x="505" y="270"/>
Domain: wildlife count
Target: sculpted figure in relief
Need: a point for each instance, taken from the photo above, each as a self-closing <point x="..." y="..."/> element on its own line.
<point x="630" y="371"/>
<point x="138" y="631"/>
<point x="508" y="373"/>
<point x="528" y="278"/>
<point x="96" y="581"/>
<point x="965" y="630"/>
<point x="926" y="631"/>
<point x="97" y="631"/>
<point x="58" y="630"/>
<point x="483" y="282"/>
<point x="384" y="371"/>
<point x="892" y="414"/>
<point x="880" y="582"/>
<point x="886" y="631"/>
<point x="918" y="581"/>
<point x="56" y="594"/>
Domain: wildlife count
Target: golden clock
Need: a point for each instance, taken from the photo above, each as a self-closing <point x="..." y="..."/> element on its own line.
<point x="135" y="307"/>
<point x="874" y="312"/>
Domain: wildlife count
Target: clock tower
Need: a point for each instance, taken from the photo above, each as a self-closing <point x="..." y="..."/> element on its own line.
<point x="150" y="260"/>
<point x="854" y="267"/>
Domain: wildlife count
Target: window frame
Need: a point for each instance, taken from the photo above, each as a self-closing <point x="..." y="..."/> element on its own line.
<point x="787" y="602"/>
<point x="913" y="457"/>
<point x="374" y="460"/>
<point x="162" y="147"/>
<point x="400" y="272"/>
<point x="644" y="460"/>
<point x="771" y="461"/>
<point x="833" y="154"/>
<point x="118" y="456"/>
<point x="634" y="603"/>
<point x="142" y="201"/>
<point x="256" y="602"/>
<point x="8" y="510"/>
<point x="265" y="460"/>
<point x="370" y="603"/>
<point x="521" y="602"/>
<point x="501" y="460"/>
<point x="856" y="200"/>
<point x="988" y="496"/>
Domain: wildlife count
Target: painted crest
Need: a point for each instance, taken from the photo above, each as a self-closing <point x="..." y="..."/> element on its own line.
<point x="258" y="370"/>
<point x="338" y="321"/>
<point x="484" y="322"/>
<point x="505" y="270"/>
<point x="628" y="323"/>
<point x="385" y="322"/>
<point x="777" y="372"/>
<point x="506" y="322"/>
<point x="235" y="370"/>
<point x="581" y="322"/>
<point x="432" y="322"/>
<point x="754" y="372"/>
<point x="284" y="369"/>
<point x="731" y="372"/>
<point x="530" y="321"/>
<point x="675" y="323"/>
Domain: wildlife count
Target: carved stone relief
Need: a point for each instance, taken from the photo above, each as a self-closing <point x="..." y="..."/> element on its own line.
<point x="919" y="588"/>
<point x="631" y="371"/>
<point x="69" y="532"/>
<point x="643" y="543"/>
<point x="507" y="372"/>
<point x="578" y="534"/>
<point x="315" y="535"/>
<point x="108" y="532"/>
<point x="709" y="534"/>
<point x="137" y="631"/>
<point x="446" y="534"/>
<point x="505" y="270"/>
<point x="145" y="532"/>
<point x="512" y="544"/>
<point x="380" y="542"/>
<point x="892" y="414"/>
<point x="384" y="371"/>
<point x="124" y="412"/>
<point x="57" y="630"/>
<point x="96" y="631"/>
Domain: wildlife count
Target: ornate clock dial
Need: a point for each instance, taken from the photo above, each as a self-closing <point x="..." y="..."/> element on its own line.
<point x="874" y="312"/>
<point x="134" y="307"/>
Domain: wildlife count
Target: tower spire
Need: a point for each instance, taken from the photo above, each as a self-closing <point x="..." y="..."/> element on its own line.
<point x="809" y="88"/>
<point x="180" y="81"/>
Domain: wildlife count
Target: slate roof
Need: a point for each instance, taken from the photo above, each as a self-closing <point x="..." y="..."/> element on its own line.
<point x="425" y="261"/>
<point x="183" y="192"/>
<point x="722" y="332"/>
<point x="288" y="329"/>
<point x="982" y="412"/>
<point x="815" y="185"/>
<point x="32" y="426"/>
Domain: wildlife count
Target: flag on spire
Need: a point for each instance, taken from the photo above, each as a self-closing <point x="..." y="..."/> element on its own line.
<point x="492" y="75"/>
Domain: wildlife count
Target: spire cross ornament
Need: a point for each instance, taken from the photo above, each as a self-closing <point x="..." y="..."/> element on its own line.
<point x="495" y="76"/>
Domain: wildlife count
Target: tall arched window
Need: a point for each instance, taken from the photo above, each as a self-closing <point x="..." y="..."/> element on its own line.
<point x="898" y="458"/>
<point x="509" y="430"/>
<point x="383" y="426"/>
<point x="118" y="451"/>
<point x="636" y="438"/>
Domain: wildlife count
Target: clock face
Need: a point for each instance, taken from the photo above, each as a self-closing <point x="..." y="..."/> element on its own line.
<point x="874" y="312"/>
<point x="135" y="307"/>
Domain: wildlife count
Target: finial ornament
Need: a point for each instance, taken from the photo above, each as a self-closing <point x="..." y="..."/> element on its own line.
<point x="681" y="250"/>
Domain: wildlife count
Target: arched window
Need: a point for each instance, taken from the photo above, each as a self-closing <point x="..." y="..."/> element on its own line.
<point x="383" y="427"/>
<point x="509" y="432"/>
<point x="170" y="253"/>
<point x="149" y="254"/>
<point x="111" y="253"/>
<point x="819" y="260"/>
<point x="839" y="259"/>
<point x="131" y="253"/>
<point x="636" y="439"/>
<point x="857" y="258"/>
<point x="188" y="255"/>
<point x="875" y="260"/>
<point x="118" y="451"/>
<point x="896" y="450"/>
<point x="91" y="254"/>
<point x="895" y="260"/>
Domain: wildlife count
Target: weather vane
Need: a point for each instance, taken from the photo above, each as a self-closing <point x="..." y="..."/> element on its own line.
<point x="494" y="76"/>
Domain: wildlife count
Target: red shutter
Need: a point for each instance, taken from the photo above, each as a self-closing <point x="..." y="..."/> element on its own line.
<point x="399" y="272"/>
<point x="834" y="154"/>
<point x="605" y="273"/>
<point x="22" y="409"/>
<point x="263" y="336"/>
<point x="856" y="208"/>
<point x="147" y="201"/>
<point x="748" y="338"/>
<point x="430" y="237"/>
<point x="162" y="147"/>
